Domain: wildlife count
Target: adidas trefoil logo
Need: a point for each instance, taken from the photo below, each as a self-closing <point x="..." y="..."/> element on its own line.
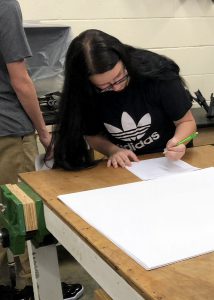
<point x="131" y="131"/>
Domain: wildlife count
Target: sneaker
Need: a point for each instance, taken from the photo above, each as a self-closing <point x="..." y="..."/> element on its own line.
<point x="72" y="291"/>
<point x="6" y="292"/>
<point x="25" y="294"/>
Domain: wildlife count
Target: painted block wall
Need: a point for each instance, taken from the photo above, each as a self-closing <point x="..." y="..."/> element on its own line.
<point x="180" y="29"/>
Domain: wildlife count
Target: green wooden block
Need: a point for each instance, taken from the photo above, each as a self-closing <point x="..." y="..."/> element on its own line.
<point x="42" y="232"/>
<point x="12" y="218"/>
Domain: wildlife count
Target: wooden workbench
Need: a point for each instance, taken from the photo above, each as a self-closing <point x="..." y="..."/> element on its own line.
<point x="192" y="279"/>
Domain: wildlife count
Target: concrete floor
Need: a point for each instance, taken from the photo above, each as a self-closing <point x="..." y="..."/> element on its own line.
<point x="70" y="270"/>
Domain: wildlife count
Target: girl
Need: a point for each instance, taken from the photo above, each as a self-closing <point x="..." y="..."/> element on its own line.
<point x="121" y="101"/>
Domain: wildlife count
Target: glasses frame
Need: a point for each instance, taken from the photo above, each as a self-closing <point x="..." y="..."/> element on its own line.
<point x="111" y="85"/>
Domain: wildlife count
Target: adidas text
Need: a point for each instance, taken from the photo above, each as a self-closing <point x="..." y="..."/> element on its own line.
<point x="136" y="146"/>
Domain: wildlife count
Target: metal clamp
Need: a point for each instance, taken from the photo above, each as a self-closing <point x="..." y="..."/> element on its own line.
<point x="2" y="208"/>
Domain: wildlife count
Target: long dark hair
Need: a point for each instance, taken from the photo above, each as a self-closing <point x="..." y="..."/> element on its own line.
<point x="95" y="52"/>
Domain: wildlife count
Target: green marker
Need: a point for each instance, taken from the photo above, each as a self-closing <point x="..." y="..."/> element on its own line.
<point x="189" y="138"/>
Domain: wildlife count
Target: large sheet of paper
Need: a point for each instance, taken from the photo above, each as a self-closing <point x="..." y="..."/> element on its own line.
<point x="158" y="167"/>
<point x="156" y="222"/>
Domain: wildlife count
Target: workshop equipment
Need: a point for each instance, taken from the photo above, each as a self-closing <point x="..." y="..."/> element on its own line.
<point x="22" y="217"/>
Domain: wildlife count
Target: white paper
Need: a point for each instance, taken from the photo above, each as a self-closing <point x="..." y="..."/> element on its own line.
<point x="158" y="167"/>
<point x="156" y="222"/>
<point x="41" y="164"/>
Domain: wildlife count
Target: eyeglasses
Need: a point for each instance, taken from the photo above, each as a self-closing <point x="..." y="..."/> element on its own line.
<point x="111" y="86"/>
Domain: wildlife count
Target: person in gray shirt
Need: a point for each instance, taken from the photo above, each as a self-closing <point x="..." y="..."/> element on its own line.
<point x="20" y="113"/>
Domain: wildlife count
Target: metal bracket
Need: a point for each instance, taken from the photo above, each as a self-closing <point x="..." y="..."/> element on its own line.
<point x="2" y="208"/>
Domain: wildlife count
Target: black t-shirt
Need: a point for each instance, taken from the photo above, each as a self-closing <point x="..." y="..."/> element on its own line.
<point x="139" y="118"/>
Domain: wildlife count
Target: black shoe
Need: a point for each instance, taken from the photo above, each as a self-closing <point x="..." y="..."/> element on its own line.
<point x="72" y="291"/>
<point x="7" y="292"/>
<point x="25" y="294"/>
<point x="10" y="293"/>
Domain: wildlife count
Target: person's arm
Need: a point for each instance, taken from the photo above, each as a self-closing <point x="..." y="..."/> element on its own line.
<point x="184" y="127"/>
<point x="116" y="156"/>
<point x="26" y="93"/>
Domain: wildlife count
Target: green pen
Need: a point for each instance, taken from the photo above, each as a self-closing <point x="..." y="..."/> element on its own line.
<point x="189" y="138"/>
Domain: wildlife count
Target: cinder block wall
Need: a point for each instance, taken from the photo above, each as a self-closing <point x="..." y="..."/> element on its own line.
<point x="181" y="29"/>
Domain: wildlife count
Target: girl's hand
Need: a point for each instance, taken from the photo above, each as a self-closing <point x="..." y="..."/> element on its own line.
<point x="121" y="158"/>
<point x="174" y="152"/>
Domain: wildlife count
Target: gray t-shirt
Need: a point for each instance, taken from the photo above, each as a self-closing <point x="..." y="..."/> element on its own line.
<point x="13" y="47"/>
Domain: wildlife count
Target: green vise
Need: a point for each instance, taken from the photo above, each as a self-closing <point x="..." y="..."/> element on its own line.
<point x="13" y="213"/>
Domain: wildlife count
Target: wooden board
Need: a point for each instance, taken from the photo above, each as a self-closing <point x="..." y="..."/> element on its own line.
<point x="28" y="207"/>
<point x="101" y="295"/>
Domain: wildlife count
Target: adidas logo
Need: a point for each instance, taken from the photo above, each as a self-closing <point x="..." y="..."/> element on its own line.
<point x="133" y="132"/>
